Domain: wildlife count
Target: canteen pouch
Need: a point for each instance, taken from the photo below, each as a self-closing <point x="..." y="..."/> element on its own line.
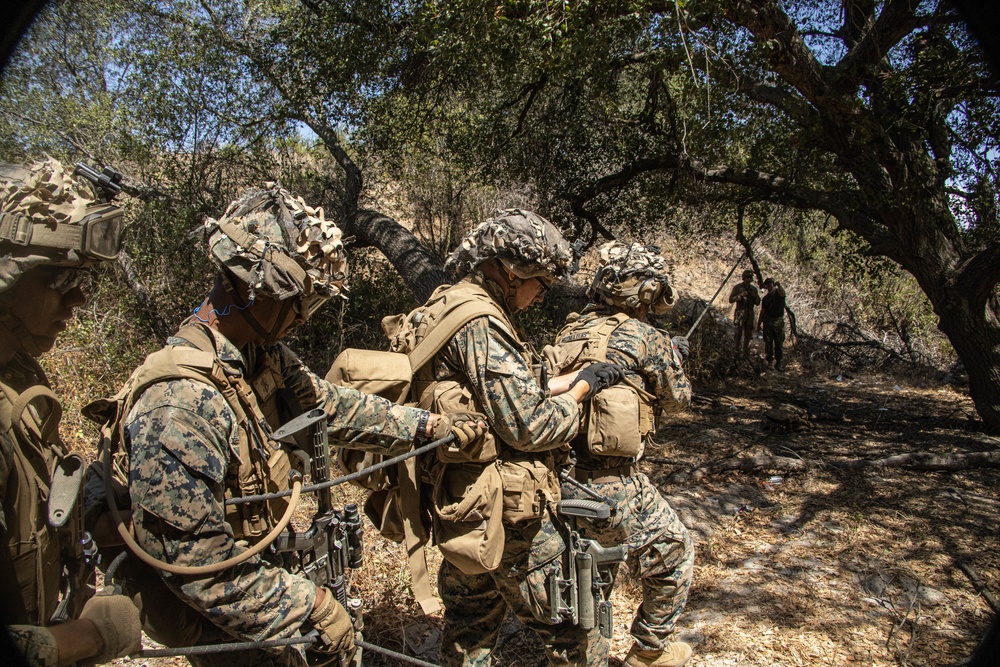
<point x="468" y="516"/>
<point x="617" y="422"/>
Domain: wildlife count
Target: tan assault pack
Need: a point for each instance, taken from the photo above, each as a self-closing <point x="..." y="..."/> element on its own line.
<point x="264" y="467"/>
<point x="465" y="487"/>
<point x="618" y="418"/>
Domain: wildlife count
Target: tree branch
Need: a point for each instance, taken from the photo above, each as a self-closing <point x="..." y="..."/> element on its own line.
<point x="896" y="21"/>
<point x="978" y="275"/>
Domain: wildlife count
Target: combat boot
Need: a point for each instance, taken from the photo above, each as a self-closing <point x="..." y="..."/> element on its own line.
<point x="674" y="655"/>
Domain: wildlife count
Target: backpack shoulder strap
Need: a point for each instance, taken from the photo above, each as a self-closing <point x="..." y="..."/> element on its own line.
<point x="602" y="334"/>
<point x="466" y="307"/>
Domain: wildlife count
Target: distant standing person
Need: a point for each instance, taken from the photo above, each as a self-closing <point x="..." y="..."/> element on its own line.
<point x="746" y="297"/>
<point x="772" y="321"/>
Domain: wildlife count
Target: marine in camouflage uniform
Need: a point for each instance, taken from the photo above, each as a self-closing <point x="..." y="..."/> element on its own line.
<point x="53" y="227"/>
<point x="772" y="321"/>
<point x="746" y="297"/>
<point x="189" y="448"/>
<point x="512" y="259"/>
<point x="632" y="279"/>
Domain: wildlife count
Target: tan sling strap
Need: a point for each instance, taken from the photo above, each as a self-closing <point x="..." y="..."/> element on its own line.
<point x="49" y="428"/>
<point x="415" y="535"/>
<point x="450" y="322"/>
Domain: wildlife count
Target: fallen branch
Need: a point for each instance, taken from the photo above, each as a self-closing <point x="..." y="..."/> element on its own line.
<point x="978" y="584"/>
<point x="911" y="461"/>
<point x="740" y="463"/>
<point x="927" y="461"/>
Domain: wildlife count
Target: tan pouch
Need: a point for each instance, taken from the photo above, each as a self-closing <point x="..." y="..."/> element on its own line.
<point x="384" y="511"/>
<point x="527" y="487"/>
<point x="468" y="516"/>
<point x="385" y="374"/>
<point x="450" y="396"/>
<point x="614" y="426"/>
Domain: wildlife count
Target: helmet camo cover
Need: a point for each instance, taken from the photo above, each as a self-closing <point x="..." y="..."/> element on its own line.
<point x="624" y="266"/>
<point x="50" y="217"/>
<point x="279" y="245"/>
<point x="526" y="243"/>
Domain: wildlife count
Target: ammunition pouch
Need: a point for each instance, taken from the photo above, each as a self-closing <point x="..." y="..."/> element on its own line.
<point x="528" y="486"/>
<point x="468" y="516"/>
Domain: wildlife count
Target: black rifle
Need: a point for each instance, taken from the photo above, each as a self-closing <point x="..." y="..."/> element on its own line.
<point x="78" y="551"/>
<point x="333" y="543"/>
<point x="107" y="182"/>
<point x="580" y="583"/>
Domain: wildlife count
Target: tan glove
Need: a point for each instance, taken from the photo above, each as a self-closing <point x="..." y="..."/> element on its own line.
<point x="336" y="630"/>
<point x="117" y="621"/>
<point x="466" y="426"/>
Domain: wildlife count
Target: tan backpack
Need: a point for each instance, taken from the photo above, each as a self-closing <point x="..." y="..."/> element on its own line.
<point x="467" y="526"/>
<point x="618" y="418"/>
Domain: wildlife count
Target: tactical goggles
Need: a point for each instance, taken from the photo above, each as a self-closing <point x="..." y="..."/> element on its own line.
<point x="97" y="236"/>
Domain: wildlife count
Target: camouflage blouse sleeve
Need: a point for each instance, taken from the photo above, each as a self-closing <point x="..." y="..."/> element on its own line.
<point x="357" y="420"/>
<point x="181" y="435"/>
<point x="36" y="644"/>
<point x="500" y="377"/>
<point x="648" y="351"/>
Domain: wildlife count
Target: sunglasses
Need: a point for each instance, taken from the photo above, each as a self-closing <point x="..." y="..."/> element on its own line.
<point x="65" y="280"/>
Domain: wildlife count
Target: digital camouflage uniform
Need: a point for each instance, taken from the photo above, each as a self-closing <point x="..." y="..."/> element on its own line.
<point x="182" y="436"/>
<point x="491" y="363"/>
<point x="189" y="448"/>
<point x="660" y="549"/>
<point x="42" y="208"/>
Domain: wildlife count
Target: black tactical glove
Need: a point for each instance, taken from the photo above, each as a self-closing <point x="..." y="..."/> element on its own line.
<point x="683" y="346"/>
<point x="333" y="622"/>
<point x="466" y="426"/>
<point x="600" y="375"/>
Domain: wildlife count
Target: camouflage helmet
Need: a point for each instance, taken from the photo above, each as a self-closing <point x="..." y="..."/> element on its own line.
<point x="631" y="276"/>
<point x="526" y="243"/>
<point x="747" y="273"/>
<point x="48" y="216"/>
<point x="280" y="247"/>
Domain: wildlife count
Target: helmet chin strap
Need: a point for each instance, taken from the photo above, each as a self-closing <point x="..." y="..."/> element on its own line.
<point x="15" y="327"/>
<point x="243" y="308"/>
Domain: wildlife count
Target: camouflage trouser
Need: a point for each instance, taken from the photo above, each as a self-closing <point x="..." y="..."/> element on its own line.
<point x="744" y="334"/>
<point x="661" y="555"/>
<point x="170" y="621"/>
<point x="774" y="337"/>
<point x="475" y="605"/>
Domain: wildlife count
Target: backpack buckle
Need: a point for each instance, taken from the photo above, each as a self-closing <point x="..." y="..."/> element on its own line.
<point x="16" y="228"/>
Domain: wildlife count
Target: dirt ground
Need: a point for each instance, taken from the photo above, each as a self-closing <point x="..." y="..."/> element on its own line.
<point x="818" y="566"/>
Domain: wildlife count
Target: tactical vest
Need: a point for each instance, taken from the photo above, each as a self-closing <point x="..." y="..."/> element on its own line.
<point x="620" y="418"/>
<point x="30" y="564"/>
<point x="264" y="464"/>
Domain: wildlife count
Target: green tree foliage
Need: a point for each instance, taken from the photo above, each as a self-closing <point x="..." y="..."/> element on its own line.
<point x="614" y="116"/>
